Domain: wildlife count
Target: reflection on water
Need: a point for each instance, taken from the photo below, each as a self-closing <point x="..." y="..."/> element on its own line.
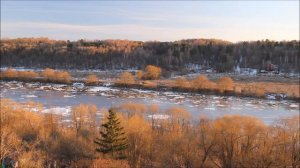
<point x="61" y="96"/>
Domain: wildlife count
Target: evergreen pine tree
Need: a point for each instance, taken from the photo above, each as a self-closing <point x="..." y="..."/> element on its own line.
<point x="112" y="138"/>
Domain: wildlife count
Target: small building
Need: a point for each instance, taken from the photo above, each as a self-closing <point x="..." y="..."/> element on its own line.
<point x="268" y="67"/>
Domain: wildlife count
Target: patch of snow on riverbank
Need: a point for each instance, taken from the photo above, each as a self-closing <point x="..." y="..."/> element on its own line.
<point x="65" y="111"/>
<point x="159" y="116"/>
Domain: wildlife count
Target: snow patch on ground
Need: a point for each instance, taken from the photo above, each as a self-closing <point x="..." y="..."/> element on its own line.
<point x="65" y="111"/>
<point x="159" y="116"/>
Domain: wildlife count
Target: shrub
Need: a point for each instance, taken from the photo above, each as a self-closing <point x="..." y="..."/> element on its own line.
<point x="13" y="74"/>
<point x="91" y="79"/>
<point x="225" y="84"/>
<point x="9" y="73"/>
<point x="238" y="89"/>
<point x="152" y="72"/>
<point x="201" y="82"/>
<point x="260" y="92"/>
<point x="139" y="74"/>
<point x="48" y="74"/>
<point x="182" y="83"/>
<point x="63" y="76"/>
<point x="27" y="75"/>
<point x="126" y="78"/>
<point x="56" y="76"/>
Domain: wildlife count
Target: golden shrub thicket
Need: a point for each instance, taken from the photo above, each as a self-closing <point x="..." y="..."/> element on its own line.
<point x="126" y="78"/>
<point x="22" y="75"/>
<point x="49" y="73"/>
<point x="91" y="79"/>
<point x="139" y="74"/>
<point x="152" y="72"/>
<point x="37" y="139"/>
<point x="133" y="109"/>
<point x="225" y="84"/>
<point x="182" y="83"/>
<point x="9" y="73"/>
<point x="56" y="76"/>
<point x="198" y="83"/>
<point x="201" y="82"/>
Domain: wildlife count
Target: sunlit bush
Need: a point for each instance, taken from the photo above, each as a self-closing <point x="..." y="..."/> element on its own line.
<point x="126" y="78"/>
<point x="9" y="73"/>
<point x="91" y="79"/>
<point x="152" y="72"/>
<point x="139" y="74"/>
<point x="182" y="83"/>
<point x="225" y="84"/>
<point x="56" y="76"/>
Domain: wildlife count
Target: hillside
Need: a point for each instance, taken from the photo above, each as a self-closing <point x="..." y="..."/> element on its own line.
<point x="191" y="54"/>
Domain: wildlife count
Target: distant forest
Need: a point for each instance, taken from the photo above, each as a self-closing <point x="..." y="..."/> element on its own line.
<point x="183" y="55"/>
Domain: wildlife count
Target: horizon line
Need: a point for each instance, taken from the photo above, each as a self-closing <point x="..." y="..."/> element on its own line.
<point x="144" y="41"/>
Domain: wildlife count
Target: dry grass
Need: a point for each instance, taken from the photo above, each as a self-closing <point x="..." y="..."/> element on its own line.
<point x="291" y="90"/>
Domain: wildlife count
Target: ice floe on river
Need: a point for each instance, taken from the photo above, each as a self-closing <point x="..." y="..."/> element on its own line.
<point x="64" y="111"/>
<point x="100" y="89"/>
<point x="58" y="96"/>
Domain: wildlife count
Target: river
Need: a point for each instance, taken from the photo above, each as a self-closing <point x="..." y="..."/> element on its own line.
<point x="60" y="98"/>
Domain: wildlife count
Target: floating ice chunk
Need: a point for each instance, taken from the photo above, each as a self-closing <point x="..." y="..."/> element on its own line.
<point x="271" y="103"/>
<point x="249" y="105"/>
<point x="271" y="97"/>
<point x="141" y="91"/>
<point x="210" y="108"/>
<point x="101" y="89"/>
<point x="107" y="84"/>
<point x="29" y="96"/>
<point x="221" y="105"/>
<point x="294" y="105"/>
<point x="78" y="85"/>
<point x="236" y="108"/>
<point x="69" y="95"/>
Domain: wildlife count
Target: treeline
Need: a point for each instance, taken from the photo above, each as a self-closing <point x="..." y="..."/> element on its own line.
<point x="36" y="139"/>
<point x="180" y="55"/>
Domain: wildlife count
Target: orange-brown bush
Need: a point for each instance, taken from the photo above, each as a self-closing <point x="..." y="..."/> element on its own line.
<point x="56" y="76"/>
<point x="48" y="73"/>
<point x="9" y="73"/>
<point x="182" y="83"/>
<point x="26" y="75"/>
<point x="139" y="74"/>
<point x="225" y="84"/>
<point x="152" y="72"/>
<point x="133" y="109"/>
<point x="22" y="75"/>
<point x="291" y="90"/>
<point x="36" y="140"/>
<point x="202" y="83"/>
<point x="126" y="78"/>
<point x="91" y="79"/>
